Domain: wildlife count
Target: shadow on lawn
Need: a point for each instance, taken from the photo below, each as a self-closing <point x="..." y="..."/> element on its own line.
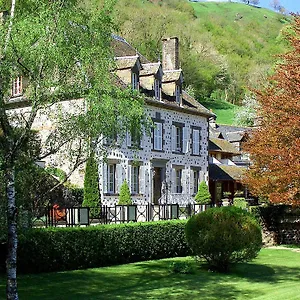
<point x="150" y="280"/>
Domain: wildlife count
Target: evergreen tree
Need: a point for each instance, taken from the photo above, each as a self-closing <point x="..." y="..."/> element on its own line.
<point x="125" y="198"/>
<point x="203" y="196"/>
<point x="91" y="195"/>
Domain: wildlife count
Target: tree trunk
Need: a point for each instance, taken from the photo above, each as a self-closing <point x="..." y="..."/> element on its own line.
<point x="11" y="261"/>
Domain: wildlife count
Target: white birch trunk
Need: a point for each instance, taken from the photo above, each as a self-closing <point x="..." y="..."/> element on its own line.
<point x="11" y="260"/>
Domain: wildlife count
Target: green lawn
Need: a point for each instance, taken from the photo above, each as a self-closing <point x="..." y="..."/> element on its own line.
<point x="275" y="274"/>
<point x="225" y="111"/>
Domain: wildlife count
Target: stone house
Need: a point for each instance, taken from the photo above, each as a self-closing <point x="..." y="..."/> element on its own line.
<point x="166" y="166"/>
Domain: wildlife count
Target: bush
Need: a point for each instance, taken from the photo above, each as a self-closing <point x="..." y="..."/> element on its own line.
<point x="224" y="236"/>
<point x="125" y="197"/>
<point x="203" y="195"/>
<point x="240" y="202"/>
<point x="91" y="195"/>
<point x="58" y="249"/>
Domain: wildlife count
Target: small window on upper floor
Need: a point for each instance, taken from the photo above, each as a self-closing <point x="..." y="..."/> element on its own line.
<point x="134" y="81"/>
<point x="17" y="88"/>
<point x="177" y="94"/>
<point x="157" y="89"/>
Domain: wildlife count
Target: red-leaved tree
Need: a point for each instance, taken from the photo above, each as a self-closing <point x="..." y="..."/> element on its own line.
<point x="275" y="146"/>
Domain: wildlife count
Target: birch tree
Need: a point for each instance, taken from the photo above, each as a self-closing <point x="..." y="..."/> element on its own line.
<point x="62" y="51"/>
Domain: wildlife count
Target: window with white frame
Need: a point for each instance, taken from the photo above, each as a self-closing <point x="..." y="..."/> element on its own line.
<point x="196" y="141"/>
<point x="157" y="89"/>
<point x="196" y="180"/>
<point x="177" y="94"/>
<point x="134" y="81"/>
<point x="111" y="178"/>
<point x="178" y="138"/>
<point x="17" y="87"/>
<point x="178" y="180"/>
<point x="135" y="179"/>
<point x="158" y="136"/>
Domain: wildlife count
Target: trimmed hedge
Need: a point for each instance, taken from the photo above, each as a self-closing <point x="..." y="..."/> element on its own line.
<point x="59" y="249"/>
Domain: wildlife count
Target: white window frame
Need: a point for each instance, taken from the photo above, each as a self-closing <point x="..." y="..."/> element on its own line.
<point x="134" y="81"/>
<point x="196" y="141"/>
<point x="17" y="87"/>
<point x="157" y="136"/>
<point x="196" y="178"/>
<point x="135" y="179"/>
<point x="111" y="178"/>
<point x="178" y="182"/>
<point x="157" y="89"/>
<point x="177" y="94"/>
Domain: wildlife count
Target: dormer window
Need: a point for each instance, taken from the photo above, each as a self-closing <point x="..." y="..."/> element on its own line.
<point x="17" y="87"/>
<point x="157" y="89"/>
<point x="177" y="94"/>
<point x="134" y="81"/>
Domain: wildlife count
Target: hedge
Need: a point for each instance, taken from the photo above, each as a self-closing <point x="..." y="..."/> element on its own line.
<point x="59" y="249"/>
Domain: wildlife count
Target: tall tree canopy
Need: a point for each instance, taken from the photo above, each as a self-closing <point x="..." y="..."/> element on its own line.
<point x="274" y="146"/>
<point x="61" y="50"/>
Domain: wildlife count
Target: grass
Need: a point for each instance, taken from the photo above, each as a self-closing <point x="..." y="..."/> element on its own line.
<point x="273" y="275"/>
<point x="224" y="110"/>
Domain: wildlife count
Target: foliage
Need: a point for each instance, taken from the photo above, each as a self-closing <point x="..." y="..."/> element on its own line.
<point x="224" y="236"/>
<point x="57" y="249"/>
<point x="91" y="195"/>
<point x="203" y="195"/>
<point x="247" y="114"/>
<point x="225" y="47"/>
<point x="181" y="267"/>
<point x="240" y="202"/>
<point x="125" y="197"/>
<point x="274" y="146"/>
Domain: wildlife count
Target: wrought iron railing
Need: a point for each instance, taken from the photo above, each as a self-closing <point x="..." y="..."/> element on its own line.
<point x="85" y="216"/>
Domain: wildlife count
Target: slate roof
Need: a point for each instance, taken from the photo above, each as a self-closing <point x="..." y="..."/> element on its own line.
<point x="173" y="75"/>
<point x="225" y="172"/>
<point x="126" y="62"/>
<point x="149" y="69"/>
<point x="233" y="133"/>
<point x="122" y="49"/>
<point x="220" y="145"/>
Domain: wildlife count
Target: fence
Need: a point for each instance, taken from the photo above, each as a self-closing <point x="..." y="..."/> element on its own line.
<point x="85" y="216"/>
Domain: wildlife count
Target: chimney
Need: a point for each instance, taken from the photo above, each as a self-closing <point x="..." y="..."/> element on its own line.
<point x="170" y="54"/>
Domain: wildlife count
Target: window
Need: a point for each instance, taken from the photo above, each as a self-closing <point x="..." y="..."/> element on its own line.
<point x="135" y="137"/>
<point x="178" y="136"/>
<point x="196" y="141"/>
<point x="178" y="180"/>
<point x="111" y="178"/>
<point x="17" y="87"/>
<point x="134" y="81"/>
<point x="196" y="181"/>
<point x="157" y="136"/>
<point x="177" y="94"/>
<point x="135" y="178"/>
<point x="157" y="88"/>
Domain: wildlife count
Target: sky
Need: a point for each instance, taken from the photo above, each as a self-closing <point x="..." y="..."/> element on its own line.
<point x="290" y="5"/>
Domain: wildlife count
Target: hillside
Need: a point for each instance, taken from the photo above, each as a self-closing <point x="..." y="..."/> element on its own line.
<point x="226" y="47"/>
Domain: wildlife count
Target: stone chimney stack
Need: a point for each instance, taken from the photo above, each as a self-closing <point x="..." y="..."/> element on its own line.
<point x="170" y="54"/>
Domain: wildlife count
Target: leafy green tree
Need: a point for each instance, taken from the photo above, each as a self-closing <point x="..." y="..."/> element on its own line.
<point x="125" y="197"/>
<point x="203" y="195"/>
<point x="91" y="194"/>
<point x="61" y="50"/>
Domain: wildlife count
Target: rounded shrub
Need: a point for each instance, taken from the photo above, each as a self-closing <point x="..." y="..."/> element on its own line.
<point x="223" y="236"/>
